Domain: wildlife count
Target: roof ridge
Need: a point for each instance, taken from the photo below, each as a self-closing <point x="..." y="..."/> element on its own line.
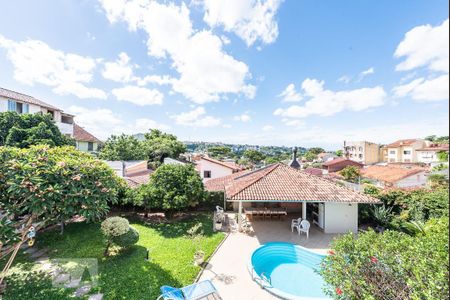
<point x="275" y="166"/>
<point x="219" y="162"/>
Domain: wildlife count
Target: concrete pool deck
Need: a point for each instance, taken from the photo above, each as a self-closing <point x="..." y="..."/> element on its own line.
<point x="227" y="269"/>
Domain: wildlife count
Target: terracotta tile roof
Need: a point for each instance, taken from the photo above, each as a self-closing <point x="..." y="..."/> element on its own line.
<point x="390" y="173"/>
<point x="283" y="183"/>
<point x="434" y="148"/>
<point x="25" y="98"/>
<point x="230" y="165"/>
<point x="80" y="134"/>
<point x="218" y="184"/>
<point x="339" y="161"/>
<point x="399" y="143"/>
<point x="314" y="171"/>
<point x="137" y="179"/>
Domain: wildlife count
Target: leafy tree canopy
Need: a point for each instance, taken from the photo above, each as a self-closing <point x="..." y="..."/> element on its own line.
<point x="339" y="153"/>
<point x="316" y="150"/>
<point x="122" y="147"/>
<point x="310" y="156"/>
<point x="254" y="156"/>
<point x="219" y="151"/>
<point x="350" y="173"/>
<point x="159" y="145"/>
<point x="25" y="130"/>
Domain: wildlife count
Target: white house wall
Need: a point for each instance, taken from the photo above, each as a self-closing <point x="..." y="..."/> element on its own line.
<point x="216" y="170"/>
<point x="341" y="217"/>
<point x="419" y="179"/>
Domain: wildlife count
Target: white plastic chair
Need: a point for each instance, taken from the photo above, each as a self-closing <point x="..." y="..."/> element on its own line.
<point x="304" y="227"/>
<point x="220" y="213"/>
<point x="295" y="223"/>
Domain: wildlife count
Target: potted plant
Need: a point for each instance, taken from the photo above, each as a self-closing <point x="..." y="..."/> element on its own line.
<point x="195" y="233"/>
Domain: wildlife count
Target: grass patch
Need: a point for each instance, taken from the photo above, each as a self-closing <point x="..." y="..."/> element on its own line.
<point x="126" y="275"/>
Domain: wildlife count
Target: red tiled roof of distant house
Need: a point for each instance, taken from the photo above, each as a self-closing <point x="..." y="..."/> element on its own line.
<point x="339" y="161"/>
<point x="389" y="173"/>
<point x="314" y="171"/>
<point x="218" y="184"/>
<point x="279" y="182"/>
<point x="138" y="178"/>
<point x="434" y="148"/>
<point x="25" y="98"/>
<point x="399" y="143"/>
<point x="230" y="165"/>
<point x="80" y="134"/>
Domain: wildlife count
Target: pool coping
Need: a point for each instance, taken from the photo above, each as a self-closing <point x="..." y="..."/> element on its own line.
<point x="276" y="292"/>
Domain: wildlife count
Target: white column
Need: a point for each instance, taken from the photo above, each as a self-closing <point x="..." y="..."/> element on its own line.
<point x="240" y="215"/>
<point x="303" y="210"/>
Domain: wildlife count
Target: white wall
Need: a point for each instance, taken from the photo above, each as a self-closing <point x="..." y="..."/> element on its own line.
<point x="216" y="169"/>
<point x="3" y="104"/>
<point x="65" y="128"/>
<point x="427" y="156"/>
<point x="419" y="179"/>
<point x="341" y="217"/>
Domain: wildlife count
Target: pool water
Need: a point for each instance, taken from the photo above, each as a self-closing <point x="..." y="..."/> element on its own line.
<point x="288" y="271"/>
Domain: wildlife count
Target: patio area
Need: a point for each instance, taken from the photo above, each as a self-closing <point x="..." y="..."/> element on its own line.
<point x="228" y="267"/>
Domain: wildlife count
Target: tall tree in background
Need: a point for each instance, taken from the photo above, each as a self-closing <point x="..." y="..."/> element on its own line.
<point x="122" y="147"/>
<point x="219" y="151"/>
<point x="316" y="150"/>
<point x="25" y="130"/>
<point x="159" y="145"/>
<point x="254" y="156"/>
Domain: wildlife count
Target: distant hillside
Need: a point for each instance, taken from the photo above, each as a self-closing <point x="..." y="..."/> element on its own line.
<point x="239" y="148"/>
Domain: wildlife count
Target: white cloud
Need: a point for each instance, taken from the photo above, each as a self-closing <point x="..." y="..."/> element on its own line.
<point x="421" y="89"/>
<point x="425" y="46"/>
<point x="242" y="118"/>
<point x="120" y="70"/>
<point x="268" y="128"/>
<point x="369" y="71"/>
<point x="290" y="94"/>
<point x="251" y="20"/>
<point x="106" y="122"/>
<point x="67" y="73"/>
<point x="324" y="102"/>
<point x="196" y="118"/>
<point x="138" y="95"/>
<point x="206" y="71"/>
<point x="345" y="79"/>
<point x="294" y="123"/>
<point x="226" y="126"/>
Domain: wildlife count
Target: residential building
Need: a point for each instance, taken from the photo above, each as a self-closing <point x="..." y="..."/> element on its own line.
<point x="395" y="176"/>
<point x="364" y="152"/>
<point x="172" y="161"/>
<point x="338" y="164"/>
<point x="330" y="207"/>
<point x="210" y="168"/>
<point x="405" y="151"/>
<point x="326" y="156"/>
<point x="84" y="140"/>
<point x="429" y="154"/>
<point x="22" y="104"/>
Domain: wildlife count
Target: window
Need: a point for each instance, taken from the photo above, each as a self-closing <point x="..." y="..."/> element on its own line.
<point x="18" y="107"/>
<point x="90" y="146"/>
<point x="392" y="152"/>
<point x="360" y="149"/>
<point x="360" y="156"/>
<point x="206" y="174"/>
<point x="407" y="152"/>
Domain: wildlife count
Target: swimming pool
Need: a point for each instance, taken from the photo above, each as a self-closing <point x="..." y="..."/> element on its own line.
<point x="288" y="271"/>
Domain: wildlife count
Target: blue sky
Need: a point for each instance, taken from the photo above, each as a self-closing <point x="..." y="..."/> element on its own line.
<point x="266" y="72"/>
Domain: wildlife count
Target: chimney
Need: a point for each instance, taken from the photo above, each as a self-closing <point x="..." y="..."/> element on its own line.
<point x="294" y="163"/>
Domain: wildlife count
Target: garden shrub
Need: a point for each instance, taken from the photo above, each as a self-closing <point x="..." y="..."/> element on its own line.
<point x="391" y="265"/>
<point x="117" y="231"/>
<point x="172" y="188"/>
<point x="213" y="199"/>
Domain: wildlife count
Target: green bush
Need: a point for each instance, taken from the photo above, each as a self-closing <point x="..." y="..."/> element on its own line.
<point x="171" y="188"/>
<point x="114" y="227"/>
<point x="350" y="173"/>
<point x="118" y="231"/>
<point x="127" y="239"/>
<point x="391" y="265"/>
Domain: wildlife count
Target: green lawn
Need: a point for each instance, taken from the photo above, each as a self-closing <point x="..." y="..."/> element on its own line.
<point x="126" y="275"/>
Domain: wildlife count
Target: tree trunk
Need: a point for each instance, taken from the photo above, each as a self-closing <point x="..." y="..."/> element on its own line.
<point x="107" y="248"/>
<point x="61" y="226"/>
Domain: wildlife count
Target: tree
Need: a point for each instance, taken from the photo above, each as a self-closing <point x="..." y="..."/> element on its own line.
<point x="391" y="265"/>
<point x="122" y="147"/>
<point x="219" y="151"/>
<point x="310" y="156"/>
<point x="172" y="188"/>
<point x="437" y="180"/>
<point x="339" y="153"/>
<point x="25" y="130"/>
<point x="50" y="185"/>
<point x="443" y="156"/>
<point x="316" y="150"/>
<point x="159" y="145"/>
<point x="350" y="173"/>
<point x="254" y="156"/>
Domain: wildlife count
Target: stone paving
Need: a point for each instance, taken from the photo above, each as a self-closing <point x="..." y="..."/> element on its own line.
<point x="40" y="257"/>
